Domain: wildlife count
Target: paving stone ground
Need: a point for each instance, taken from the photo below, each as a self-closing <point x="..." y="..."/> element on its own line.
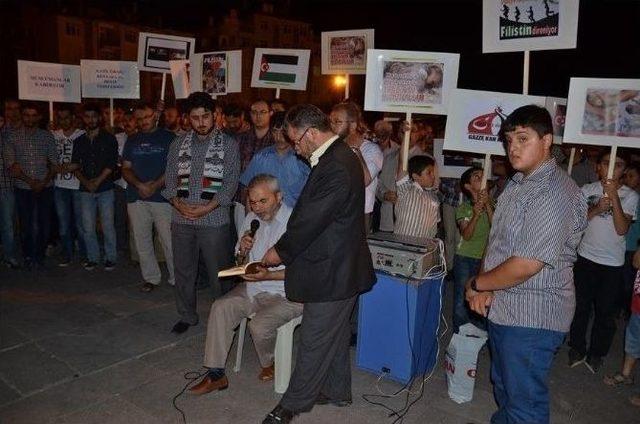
<point x="88" y="347"/>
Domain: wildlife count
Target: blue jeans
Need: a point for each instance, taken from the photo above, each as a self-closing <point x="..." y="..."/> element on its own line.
<point x="91" y="203"/>
<point x="520" y="361"/>
<point x="464" y="268"/>
<point x="69" y="213"/>
<point x="34" y="212"/>
<point x="7" y="202"/>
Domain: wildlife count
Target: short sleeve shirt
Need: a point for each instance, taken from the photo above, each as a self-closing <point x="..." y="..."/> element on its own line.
<point x="474" y="247"/>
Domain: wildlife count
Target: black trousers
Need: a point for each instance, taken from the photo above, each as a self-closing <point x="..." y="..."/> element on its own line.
<point x="598" y="287"/>
<point x="323" y="363"/>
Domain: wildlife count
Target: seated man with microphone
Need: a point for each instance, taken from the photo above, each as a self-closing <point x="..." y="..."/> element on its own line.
<point x="260" y="296"/>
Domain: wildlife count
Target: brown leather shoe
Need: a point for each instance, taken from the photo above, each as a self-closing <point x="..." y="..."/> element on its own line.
<point x="207" y="385"/>
<point x="267" y="373"/>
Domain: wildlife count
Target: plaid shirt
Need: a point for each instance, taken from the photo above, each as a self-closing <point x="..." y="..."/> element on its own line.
<point x="249" y="143"/>
<point x="6" y="182"/>
<point x="33" y="150"/>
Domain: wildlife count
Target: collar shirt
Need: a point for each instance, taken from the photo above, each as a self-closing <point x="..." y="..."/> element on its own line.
<point x="267" y="235"/>
<point x="540" y="216"/>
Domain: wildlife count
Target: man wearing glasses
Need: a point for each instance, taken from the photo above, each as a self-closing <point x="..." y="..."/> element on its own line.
<point x="259" y="136"/>
<point x="328" y="264"/>
<point x="144" y="159"/>
<point x="281" y="161"/>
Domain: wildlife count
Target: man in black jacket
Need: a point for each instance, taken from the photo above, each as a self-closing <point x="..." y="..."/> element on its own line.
<point x="328" y="264"/>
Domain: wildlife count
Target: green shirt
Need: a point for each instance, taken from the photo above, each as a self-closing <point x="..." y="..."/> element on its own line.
<point x="474" y="247"/>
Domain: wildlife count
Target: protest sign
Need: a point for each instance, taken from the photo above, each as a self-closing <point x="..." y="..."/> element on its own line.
<point x="110" y="79"/>
<point x="603" y="112"/>
<point x="156" y="50"/>
<point x="475" y="118"/>
<point x="52" y="82"/>
<point x="345" y="52"/>
<point x="405" y="81"/>
<point x="280" y="68"/>
<point x="523" y="25"/>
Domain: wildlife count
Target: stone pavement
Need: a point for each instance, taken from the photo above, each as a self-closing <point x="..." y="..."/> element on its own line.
<point x="88" y="347"/>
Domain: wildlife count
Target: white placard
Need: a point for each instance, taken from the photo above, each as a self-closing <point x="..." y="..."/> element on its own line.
<point x="50" y="82"/>
<point x="156" y="50"/>
<point x="519" y="25"/>
<point x="181" y="77"/>
<point x="280" y="68"/>
<point x="110" y="79"/>
<point x="450" y="164"/>
<point x="557" y="107"/>
<point x="603" y="112"/>
<point x="475" y="117"/>
<point x="345" y="52"/>
<point x="408" y="81"/>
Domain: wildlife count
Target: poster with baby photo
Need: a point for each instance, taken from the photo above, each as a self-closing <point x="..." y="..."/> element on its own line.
<point x="603" y="112"/>
<point x="409" y="81"/>
<point x="345" y="52"/>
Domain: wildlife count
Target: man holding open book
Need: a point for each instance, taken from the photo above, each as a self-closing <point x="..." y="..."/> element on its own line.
<point x="262" y="296"/>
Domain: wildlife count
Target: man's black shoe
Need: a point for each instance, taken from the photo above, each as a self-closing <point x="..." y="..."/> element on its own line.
<point x="279" y="415"/>
<point x="180" y="327"/>
<point x="324" y="400"/>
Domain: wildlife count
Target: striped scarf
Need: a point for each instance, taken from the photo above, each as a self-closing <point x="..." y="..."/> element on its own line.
<point x="213" y="166"/>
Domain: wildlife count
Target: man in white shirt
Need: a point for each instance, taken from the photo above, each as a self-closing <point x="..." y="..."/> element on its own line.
<point x="66" y="193"/>
<point x="346" y="121"/>
<point x="262" y="296"/>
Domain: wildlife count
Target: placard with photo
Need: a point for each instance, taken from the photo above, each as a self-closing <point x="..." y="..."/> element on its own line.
<point x="345" y="52"/>
<point x="156" y="50"/>
<point x="408" y="81"/>
<point x="603" y="112"/>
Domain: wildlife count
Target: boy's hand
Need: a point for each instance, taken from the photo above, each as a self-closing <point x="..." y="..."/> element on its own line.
<point x="391" y="196"/>
<point x="604" y="204"/>
<point x="610" y="189"/>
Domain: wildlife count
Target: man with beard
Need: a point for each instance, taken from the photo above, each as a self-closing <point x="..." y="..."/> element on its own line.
<point x="201" y="178"/>
<point x="31" y="155"/>
<point x="94" y="160"/>
<point x="328" y="264"/>
<point x="144" y="159"/>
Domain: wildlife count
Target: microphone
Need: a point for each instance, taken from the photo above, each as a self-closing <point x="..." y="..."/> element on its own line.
<point x="255" y="224"/>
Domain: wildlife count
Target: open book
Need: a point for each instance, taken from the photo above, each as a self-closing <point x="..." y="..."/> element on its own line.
<point x="249" y="268"/>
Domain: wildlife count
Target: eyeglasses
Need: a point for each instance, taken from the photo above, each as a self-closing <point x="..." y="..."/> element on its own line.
<point x="302" y="136"/>
<point x="339" y="122"/>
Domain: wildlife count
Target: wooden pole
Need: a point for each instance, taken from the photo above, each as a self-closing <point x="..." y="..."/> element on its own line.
<point x="572" y="157"/>
<point x="164" y="84"/>
<point x="525" y="74"/>
<point x="405" y="145"/>
<point x="50" y="111"/>
<point x="486" y="171"/>
<point x="612" y="161"/>
<point x="346" y="86"/>
<point x="111" y="112"/>
<point x="277" y="93"/>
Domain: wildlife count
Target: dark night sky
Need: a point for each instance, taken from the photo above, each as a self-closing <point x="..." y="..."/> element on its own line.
<point x="608" y="40"/>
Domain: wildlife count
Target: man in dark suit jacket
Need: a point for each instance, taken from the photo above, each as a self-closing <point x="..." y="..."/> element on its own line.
<point x="328" y="264"/>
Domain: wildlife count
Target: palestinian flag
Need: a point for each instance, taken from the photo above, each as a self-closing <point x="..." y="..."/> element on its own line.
<point x="279" y="68"/>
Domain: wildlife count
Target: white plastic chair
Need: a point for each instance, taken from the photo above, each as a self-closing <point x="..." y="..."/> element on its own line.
<point x="283" y="352"/>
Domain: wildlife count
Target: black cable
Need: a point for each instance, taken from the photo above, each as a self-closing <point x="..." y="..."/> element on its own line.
<point x="191" y="376"/>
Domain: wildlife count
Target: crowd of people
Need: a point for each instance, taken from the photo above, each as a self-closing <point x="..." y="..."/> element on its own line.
<point x="215" y="184"/>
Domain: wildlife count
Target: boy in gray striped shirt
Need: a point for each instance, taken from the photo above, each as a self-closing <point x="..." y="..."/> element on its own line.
<point x="527" y="276"/>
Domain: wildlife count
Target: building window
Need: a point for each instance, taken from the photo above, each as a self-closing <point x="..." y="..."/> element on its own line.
<point x="130" y="37"/>
<point x="72" y="30"/>
<point x="264" y="26"/>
